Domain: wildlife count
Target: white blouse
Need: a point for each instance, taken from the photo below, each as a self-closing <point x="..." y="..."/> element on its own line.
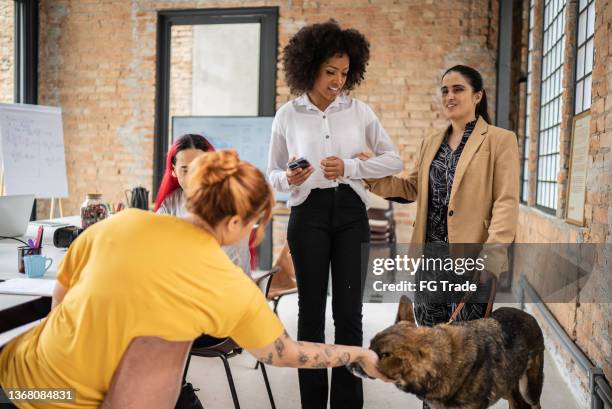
<point x="346" y="128"/>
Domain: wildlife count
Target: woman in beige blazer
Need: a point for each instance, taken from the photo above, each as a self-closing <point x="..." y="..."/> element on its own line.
<point x="465" y="183"/>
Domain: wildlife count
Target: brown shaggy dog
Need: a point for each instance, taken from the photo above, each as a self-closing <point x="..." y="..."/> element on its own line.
<point x="464" y="365"/>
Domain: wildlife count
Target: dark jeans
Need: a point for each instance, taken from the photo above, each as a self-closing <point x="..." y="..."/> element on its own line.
<point x="328" y="229"/>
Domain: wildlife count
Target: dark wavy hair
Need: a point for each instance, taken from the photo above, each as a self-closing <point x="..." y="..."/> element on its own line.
<point x="473" y="77"/>
<point x="310" y="47"/>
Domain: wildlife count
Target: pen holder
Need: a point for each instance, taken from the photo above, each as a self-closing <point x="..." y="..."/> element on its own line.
<point x="25" y="251"/>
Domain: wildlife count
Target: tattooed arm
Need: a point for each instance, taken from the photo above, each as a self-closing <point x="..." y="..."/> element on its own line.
<point x="285" y="351"/>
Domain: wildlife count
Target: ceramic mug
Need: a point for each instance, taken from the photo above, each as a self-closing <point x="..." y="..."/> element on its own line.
<point x="36" y="266"/>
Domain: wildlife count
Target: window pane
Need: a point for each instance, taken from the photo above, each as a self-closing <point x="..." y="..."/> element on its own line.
<point x="530" y="43"/>
<point x="588" y="64"/>
<point x="549" y="148"/>
<point x="579" y="91"/>
<point x="529" y="84"/>
<point x="587" y="93"/>
<point x="551" y="195"/>
<point x="540" y="167"/>
<point x="582" y="28"/>
<point x="7" y="51"/>
<point x="527" y="123"/>
<point x="580" y="62"/>
<point x="214" y="70"/>
<point x="591" y="24"/>
<point x="226" y="69"/>
<point x="583" y="4"/>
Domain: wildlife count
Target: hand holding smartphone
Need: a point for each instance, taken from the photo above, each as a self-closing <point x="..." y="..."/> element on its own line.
<point x="299" y="163"/>
<point x="298" y="170"/>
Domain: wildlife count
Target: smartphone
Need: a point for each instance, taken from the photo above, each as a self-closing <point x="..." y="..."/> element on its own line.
<point x="299" y="163"/>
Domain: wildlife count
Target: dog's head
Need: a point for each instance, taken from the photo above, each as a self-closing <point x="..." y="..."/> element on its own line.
<point x="407" y="354"/>
<point x="405" y="313"/>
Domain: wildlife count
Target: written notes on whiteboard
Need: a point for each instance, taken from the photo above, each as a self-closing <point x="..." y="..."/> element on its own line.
<point x="32" y="149"/>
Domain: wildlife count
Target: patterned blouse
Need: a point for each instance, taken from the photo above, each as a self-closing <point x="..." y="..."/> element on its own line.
<point x="441" y="176"/>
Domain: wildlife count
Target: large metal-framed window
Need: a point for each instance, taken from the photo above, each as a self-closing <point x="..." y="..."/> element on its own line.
<point x="553" y="42"/>
<point x="584" y="55"/>
<point x="267" y="17"/>
<point x="528" y="89"/>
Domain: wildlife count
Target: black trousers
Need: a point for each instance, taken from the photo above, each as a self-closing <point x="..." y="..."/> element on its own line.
<point x="328" y="229"/>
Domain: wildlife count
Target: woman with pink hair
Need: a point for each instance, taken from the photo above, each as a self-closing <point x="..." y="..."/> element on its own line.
<point x="171" y="198"/>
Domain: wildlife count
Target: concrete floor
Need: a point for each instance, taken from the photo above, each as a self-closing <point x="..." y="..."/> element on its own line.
<point x="208" y="374"/>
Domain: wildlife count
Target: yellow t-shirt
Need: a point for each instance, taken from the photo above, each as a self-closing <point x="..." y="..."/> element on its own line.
<point x="136" y="274"/>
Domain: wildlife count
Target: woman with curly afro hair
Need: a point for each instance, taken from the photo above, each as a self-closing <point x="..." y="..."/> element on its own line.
<point x="328" y="221"/>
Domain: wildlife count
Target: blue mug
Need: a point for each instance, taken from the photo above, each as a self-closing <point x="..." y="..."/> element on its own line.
<point x="36" y="266"/>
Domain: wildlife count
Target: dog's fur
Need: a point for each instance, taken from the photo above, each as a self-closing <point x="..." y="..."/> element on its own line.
<point x="465" y="365"/>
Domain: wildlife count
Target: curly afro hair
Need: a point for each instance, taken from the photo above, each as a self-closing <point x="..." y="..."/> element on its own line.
<point x="314" y="44"/>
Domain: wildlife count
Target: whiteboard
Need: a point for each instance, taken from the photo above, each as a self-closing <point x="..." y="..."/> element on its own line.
<point x="32" y="150"/>
<point x="248" y="135"/>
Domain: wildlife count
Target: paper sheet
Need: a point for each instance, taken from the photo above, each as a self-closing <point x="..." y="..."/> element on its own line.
<point x="28" y="286"/>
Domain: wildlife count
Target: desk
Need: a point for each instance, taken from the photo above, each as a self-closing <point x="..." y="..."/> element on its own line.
<point x="18" y="311"/>
<point x="8" y="250"/>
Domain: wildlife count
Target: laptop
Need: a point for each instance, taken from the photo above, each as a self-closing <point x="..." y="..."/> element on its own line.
<point x="15" y="214"/>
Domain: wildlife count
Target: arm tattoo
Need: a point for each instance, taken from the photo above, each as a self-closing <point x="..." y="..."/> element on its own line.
<point x="309" y="354"/>
<point x="279" y="345"/>
<point x="302" y="358"/>
<point x="344" y="359"/>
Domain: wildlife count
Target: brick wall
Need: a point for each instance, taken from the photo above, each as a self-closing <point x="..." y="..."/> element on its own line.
<point x="181" y="66"/>
<point x="98" y="63"/>
<point x="7" y="50"/>
<point x="585" y="321"/>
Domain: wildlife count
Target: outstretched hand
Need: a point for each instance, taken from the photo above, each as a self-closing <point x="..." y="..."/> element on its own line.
<point x="366" y="365"/>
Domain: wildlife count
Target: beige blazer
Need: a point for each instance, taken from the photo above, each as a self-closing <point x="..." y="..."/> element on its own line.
<point x="484" y="200"/>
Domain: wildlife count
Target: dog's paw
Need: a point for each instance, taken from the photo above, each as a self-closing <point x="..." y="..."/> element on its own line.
<point x="358" y="371"/>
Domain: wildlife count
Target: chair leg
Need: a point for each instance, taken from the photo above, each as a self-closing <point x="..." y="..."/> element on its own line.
<point x="256" y="365"/>
<point x="276" y="301"/>
<point x="230" y="379"/>
<point x="186" y="370"/>
<point x="265" y="376"/>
